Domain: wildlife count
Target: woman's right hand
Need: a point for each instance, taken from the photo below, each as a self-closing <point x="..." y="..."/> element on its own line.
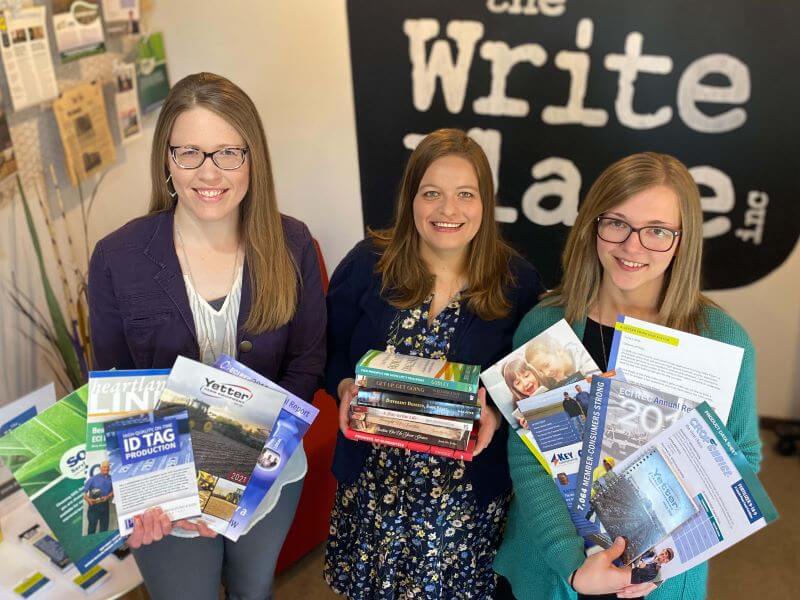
<point x="599" y="575"/>
<point x="154" y="524"/>
<point x="347" y="390"/>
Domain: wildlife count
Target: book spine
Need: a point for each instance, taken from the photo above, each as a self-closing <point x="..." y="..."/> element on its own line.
<point x="431" y="382"/>
<point x="457" y="425"/>
<point x="418" y="404"/>
<point x="364" y="436"/>
<point x="410" y="436"/>
<point x="416" y="389"/>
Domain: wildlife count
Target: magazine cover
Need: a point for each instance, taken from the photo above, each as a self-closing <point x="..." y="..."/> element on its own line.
<point x="112" y="395"/>
<point x="230" y="420"/>
<point x="293" y="422"/>
<point x="733" y="503"/>
<point x="642" y="503"/>
<point x="556" y="420"/>
<point x="550" y="360"/>
<point x="422" y="371"/>
<point x="151" y="462"/>
<point x="622" y="417"/>
<point x="47" y="457"/>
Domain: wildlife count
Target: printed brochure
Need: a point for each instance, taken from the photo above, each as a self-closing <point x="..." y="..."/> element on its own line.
<point x="115" y="395"/>
<point x="47" y="456"/>
<point x="293" y="422"/>
<point x="230" y="420"/>
<point x="732" y="502"/>
<point x="151" y="462"/>
<point x="550" y="360"/>
<point x="622" y="418"/>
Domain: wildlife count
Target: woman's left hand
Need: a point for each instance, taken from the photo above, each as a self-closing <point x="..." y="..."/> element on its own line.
<point x="636" y="590"/>
<point x="488" y="424"/>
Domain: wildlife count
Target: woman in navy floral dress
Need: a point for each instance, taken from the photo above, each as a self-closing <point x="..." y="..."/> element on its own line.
<point x="439" y="284"/>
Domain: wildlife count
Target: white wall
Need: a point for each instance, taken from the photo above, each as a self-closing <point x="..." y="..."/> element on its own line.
<point x="293" y="60"/>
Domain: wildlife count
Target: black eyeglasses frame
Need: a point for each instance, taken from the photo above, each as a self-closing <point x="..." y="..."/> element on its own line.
<point x="631" y="229"/>
<point x="207" y="155"/>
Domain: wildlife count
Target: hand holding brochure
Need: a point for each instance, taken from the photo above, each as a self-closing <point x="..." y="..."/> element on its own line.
<point x="151" y="463"/>
<point x="732" y="502"/>
<point x="293" y="422"/>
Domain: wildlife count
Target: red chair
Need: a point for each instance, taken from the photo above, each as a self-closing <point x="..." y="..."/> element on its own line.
<point x="310" y="526"/>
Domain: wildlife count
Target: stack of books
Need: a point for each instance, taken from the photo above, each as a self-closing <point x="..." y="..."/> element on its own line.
<point x="420" y="404"/>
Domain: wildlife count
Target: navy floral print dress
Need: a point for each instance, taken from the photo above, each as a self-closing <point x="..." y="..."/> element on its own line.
<point x="409" y="526"/>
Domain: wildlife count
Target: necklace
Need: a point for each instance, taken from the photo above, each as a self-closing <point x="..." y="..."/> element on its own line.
<point x="602" y="339"/>
<point x="206" y="334"/>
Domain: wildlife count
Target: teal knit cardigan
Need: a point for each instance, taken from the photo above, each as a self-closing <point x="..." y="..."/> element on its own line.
<point x="541" y="547"/>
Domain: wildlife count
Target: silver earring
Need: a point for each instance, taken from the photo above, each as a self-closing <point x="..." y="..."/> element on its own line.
<point x="173" y="193"/>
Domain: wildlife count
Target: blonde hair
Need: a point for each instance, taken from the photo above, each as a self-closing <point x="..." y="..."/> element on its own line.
<point x="273" y="273"/>
<point x="547" y="347"/>
<point x="681" y="303"/>
<point x="406" y="280"/>
<point x="514" y="367"/>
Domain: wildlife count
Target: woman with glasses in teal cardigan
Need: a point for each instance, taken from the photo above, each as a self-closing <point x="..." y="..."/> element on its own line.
<point x="635" y="249"/>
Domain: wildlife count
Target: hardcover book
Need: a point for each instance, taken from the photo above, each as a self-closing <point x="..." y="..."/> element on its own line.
<point x="47" y="457"/>
<point x="374" y="438"/>
<point x="643" y="503"/>
<point x="114" y="395"/>
<point x="230" y="420"/>
<point x="422" y="371"/>
<point x="151" y="464"/>
<point x="366" y="419"/>
<point x="417" y="404"/>
<point x="425" y="391"/>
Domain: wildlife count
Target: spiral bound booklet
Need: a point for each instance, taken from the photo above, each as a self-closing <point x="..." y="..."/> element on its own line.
<point x="643" y="503"/>
<point x="716" y="474"/>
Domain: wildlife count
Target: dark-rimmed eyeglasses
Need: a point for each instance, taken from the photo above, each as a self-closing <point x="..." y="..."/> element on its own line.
<point x="652" y="237"/>
<point x="227" y="159"/>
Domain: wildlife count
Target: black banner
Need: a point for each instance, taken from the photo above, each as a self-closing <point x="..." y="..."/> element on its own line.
<point x="556" y="90"/>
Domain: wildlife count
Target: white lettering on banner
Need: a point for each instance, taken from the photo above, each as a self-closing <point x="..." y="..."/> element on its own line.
<point x="629" y="65"/>
<point x="549" y="8"/>
<point x="503" y="60"/>
<point x="723" y="200"/>
<point x="691" y="91"/>
<point x="440" y="63"/>
<point x="577" y="63"/>
<point x="454" y="75"/>
<point x="564" y="182"/>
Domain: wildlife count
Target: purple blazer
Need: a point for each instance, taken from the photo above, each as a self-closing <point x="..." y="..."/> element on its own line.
<point x="140" y="316"/>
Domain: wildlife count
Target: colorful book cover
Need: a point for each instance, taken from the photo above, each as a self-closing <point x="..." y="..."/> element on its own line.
<point x="151" y="462"/>
<point x="47" y="456"/>
<point x="114" y="395"/>
<point x="643" y="503"/>
<point x="550" y="360"/>
<point x="417" y="404"/>
<point x="422" y="371"/>
<point x="622" y="417"/>
<point x="374" y="438"/>
<point x="293" y="422"/>
<point x="230" y="420"/>
<point x="424" y="391"/>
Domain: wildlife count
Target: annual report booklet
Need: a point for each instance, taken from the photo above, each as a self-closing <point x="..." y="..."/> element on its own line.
<point x="114" y="395"/>
<point x="151" y="463"/>
<point x="47" y="457"/>
<point x="732" y="502"/>
<point x="552" y="359"/>
<point x="622" y="417"/>
<point x="293" y="421"/>
<point x="230" y="419"/>
<point x="688" y="366"/>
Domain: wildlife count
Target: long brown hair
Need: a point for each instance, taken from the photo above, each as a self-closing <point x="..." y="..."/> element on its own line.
<point x="406" y="279"/>
<point x="273" y="273"/>
<point x="681" y="303"/>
